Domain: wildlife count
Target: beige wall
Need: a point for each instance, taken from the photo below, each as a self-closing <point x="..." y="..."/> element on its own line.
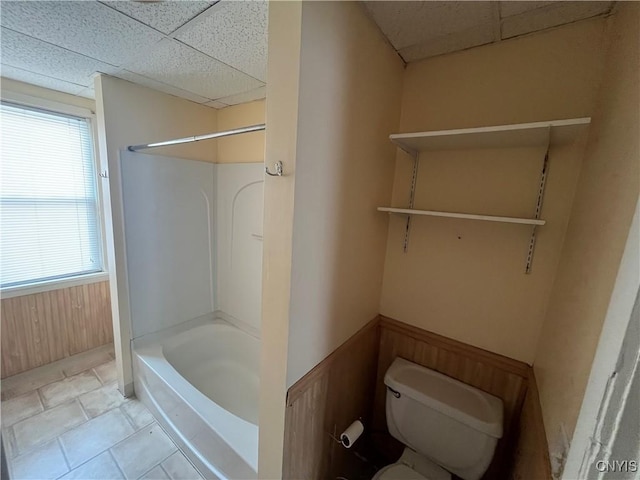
<point x="602" y="211"/>
<point x="245" y="148"/>
<point x="129" y="114"/>
<point x="285" y="21"/>
<point x="350" y="86"/>
<point x="135" y="115"/>
<point x="322" y="262"/>
<point x="465" y="279"/>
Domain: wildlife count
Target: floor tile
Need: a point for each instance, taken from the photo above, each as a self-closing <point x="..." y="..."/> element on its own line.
<point x="31" y="380"/>
<point x="59" y="392"/>
<point x="95" y="436"/>
<point x="156" y="473"/>
<point x="141" y="451"/>
<point x="102" y="467"/>
<point x="21" y="407"/>
<point x="139" y="414"/>
<point x="86" y="360"/>
<point x="99" y="401"/>
<point x="47" y="425"/>
<point x="9" y="442"/>
<point x="106" y="372"/>
<point x="179" y="468"/>
<point x="46" y="462"/>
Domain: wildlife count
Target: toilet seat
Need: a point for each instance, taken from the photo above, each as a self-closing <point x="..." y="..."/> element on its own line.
<point x="398" y="471"/>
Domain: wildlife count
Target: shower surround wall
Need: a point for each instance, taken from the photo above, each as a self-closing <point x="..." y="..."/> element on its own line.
<point x="128" y="114"/>
<point x="193" y="241"/>
<point x="238" y="234"/>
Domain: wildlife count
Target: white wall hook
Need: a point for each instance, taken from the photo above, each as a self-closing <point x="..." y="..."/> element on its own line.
<point x="278" y="173"/>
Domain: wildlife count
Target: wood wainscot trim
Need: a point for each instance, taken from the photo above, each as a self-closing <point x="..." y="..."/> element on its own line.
<point x="309" y="378"/>
<point x="324" y="402"/>
<point x="499" y="361"/>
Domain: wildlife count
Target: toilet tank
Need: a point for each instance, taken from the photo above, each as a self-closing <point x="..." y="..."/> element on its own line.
<point x="453" y="424"/>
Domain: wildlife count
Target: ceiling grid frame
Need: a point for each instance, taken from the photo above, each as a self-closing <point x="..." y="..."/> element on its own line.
<point x="226" y="40"/>
<point x="254" y="87"/>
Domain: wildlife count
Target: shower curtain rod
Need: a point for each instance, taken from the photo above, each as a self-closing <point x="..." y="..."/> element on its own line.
<point x="197" y="138"/>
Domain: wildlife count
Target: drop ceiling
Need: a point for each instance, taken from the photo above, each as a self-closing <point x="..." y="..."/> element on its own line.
<point x="212" y="53"/>
<point x="420" y="30"/>
<point x="215" y="53"/>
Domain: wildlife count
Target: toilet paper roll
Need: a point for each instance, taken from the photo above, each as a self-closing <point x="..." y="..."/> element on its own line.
<point x="351" y="434"/>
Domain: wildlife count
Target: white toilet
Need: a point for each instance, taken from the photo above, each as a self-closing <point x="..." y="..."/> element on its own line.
<point x="447" y="426"/>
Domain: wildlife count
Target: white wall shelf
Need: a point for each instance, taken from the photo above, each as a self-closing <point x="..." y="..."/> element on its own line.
<point x="538" y="134"/>
<point x="553" y="132"/>
<point x="468" y="216"/>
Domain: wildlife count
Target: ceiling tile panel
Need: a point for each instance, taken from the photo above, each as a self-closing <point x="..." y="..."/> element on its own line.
<point x="41" y="80"/>
<point x="249" y="96"/>
<point x="30" y="54"/>
<point x="216" y="104"/>
<point x="163" y="16"/>
<point x="183" y="67"/>
<point x="412" y="23"/>
<point x="161" y="87"/>
<point x="551" y="16"/>
<point x="469" y="38"/>
<point x="233" y="32"/>
<point x="89" y="28"/>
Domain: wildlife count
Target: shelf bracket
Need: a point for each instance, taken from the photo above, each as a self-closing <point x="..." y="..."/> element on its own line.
<point x="543" y="181"/>
<point x="412" y="195"/>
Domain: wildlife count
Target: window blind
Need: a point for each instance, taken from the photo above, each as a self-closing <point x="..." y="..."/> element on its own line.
<point x="48" y="201"/>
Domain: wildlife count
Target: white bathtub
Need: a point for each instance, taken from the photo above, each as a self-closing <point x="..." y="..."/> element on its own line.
<point x="201" y="382"/>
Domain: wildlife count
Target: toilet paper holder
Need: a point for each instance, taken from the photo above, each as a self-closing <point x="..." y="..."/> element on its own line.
<point x="350" y="435"/>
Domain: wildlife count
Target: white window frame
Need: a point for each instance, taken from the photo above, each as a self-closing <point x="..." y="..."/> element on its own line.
<point x="56" y="107"/>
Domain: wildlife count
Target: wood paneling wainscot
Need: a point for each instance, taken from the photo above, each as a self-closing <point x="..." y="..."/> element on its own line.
<point x="41" y="328"/>
<point x="531" y="451"/>
<point x="500" y="376"/>
<point x="324" y="402"/>
<point x="349" y="384"/>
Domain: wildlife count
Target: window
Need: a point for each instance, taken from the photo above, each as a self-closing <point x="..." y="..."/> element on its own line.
<point x="49" y="225"/>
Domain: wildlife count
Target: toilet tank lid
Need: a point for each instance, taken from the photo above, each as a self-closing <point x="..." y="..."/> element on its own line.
<point x="455" y="399"/>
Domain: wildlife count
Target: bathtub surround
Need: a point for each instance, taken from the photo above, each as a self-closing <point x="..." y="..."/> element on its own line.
<point x="44" y="327"/>
<point x="68" y="420"/>
<point x="239" y="191"/>
<point x="128" y="114"/>
<point x="169" y="208"/>
<point x="205" y="254"/>
<point x="193" y="241"/>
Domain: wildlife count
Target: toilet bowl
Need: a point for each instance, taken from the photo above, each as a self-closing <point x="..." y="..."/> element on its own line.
<point x="448" y="427"/>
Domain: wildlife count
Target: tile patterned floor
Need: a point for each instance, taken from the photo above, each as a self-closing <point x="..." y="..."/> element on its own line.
<point x="67" y="420"/>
